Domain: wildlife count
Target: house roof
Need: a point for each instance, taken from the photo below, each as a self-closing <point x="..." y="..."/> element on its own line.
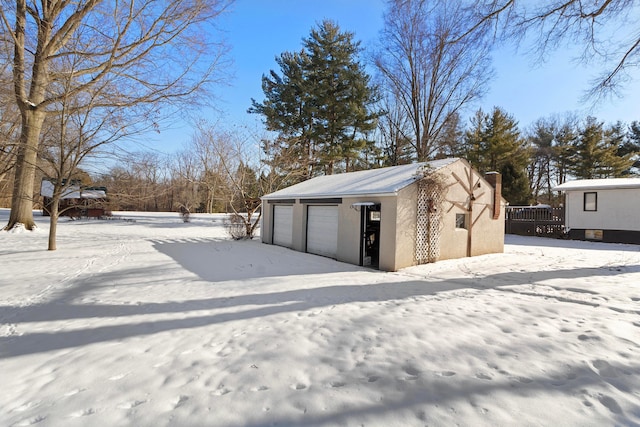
<point x="73" y="191"/>
<point x="599" y="184"/>
<point x="383" y="181"/>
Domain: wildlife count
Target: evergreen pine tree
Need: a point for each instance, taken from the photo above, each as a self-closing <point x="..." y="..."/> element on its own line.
<point x="323" y="105"/>
<point x="493" y="144"/>
<point x="632" y="146"/>
<point x="473" y="147"/>
<point x="595" y="152"/>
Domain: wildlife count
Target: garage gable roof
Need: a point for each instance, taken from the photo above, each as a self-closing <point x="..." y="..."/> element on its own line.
<point x="599" y="184"/>
<point x="383" y="181"/>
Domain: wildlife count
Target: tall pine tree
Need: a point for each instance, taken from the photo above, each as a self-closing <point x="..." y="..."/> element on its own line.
<point x="596" y="152"/>
<point x="493" y="143"/>
<point x="323" y="106"/>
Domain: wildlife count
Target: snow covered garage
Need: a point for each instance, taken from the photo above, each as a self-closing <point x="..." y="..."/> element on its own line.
<point x="602" y="209"/>
<point x="390" y="218"/>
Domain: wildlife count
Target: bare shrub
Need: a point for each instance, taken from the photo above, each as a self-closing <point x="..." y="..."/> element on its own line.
<point x="185" y="214"/>
<point x="235" y="225"/>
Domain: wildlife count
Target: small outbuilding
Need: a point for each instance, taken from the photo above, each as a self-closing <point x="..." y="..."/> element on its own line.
<point x="77" y="201"/>
<point x="602" y="209"/>
<point x="390" y="218"/>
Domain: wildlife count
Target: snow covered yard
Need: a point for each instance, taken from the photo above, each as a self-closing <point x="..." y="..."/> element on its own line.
<point x="150" y="321"/>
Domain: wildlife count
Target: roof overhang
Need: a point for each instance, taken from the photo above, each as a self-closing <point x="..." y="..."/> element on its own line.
<point x="599" y="184"/>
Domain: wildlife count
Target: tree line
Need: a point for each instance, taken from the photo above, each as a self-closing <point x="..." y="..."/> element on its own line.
<point x="217" y="171"/>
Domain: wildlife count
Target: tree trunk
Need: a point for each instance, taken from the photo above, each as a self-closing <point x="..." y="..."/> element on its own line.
<point x="22" y="199"/>
<point x="53" y="223"/>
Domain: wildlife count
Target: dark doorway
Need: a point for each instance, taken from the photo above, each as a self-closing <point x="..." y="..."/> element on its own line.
<point x="370" y="245"/>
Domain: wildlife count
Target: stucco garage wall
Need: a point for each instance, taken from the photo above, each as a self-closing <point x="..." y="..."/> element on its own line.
<point x="453" y="241"/>
<point x="405" y="223"/>
<point x="266" y="223"/>
<point x="487" y="234"/>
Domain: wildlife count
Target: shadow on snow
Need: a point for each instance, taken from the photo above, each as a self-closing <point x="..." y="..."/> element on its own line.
<point x="223" y="260"/>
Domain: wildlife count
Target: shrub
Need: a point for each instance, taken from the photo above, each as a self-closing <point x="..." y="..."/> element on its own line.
<point x="236" y="227"/>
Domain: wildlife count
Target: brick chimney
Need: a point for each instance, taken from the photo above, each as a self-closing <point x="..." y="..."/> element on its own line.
<point x="495" y="179"/>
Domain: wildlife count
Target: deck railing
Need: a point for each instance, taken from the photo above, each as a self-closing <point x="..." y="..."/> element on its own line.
<point x="534" y="221"/>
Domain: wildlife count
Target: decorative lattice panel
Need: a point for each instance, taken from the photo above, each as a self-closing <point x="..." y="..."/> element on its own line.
<point x="428" y="222"/>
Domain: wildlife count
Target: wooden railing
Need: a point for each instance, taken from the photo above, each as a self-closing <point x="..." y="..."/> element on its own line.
<point x="534" y="221"/>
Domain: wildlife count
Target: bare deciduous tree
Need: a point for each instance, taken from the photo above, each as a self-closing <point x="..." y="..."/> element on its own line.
<point x="127" y="54"/>
<point x="242" y="177"/>
<point x="141" y="182"/>
<point x="550" y="142"/>
<point x="605" y="31"/>
<point x="431" y="67"/>
<point x="9" y="123"/>
<point x="186" y="175"/>
<point x="67" y="141"/>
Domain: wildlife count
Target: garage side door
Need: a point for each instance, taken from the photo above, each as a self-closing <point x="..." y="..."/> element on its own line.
<point x="322" y="230"/>
<point x="282" y="225"/>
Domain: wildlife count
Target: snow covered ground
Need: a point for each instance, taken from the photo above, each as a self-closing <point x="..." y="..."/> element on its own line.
<point x="145" y="320"/>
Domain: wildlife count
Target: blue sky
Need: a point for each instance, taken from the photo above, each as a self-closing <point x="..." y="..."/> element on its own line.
<point x="260" y="30"/>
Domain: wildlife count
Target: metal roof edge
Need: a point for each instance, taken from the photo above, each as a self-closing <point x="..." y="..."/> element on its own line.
<point x="331" y="196"/>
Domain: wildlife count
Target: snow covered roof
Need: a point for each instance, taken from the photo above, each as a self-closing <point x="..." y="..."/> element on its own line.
<point x="599" y="184"/>
<point x="382" y="181"/>
<point x="92" y="193"/>
<point x="73" y="191"/>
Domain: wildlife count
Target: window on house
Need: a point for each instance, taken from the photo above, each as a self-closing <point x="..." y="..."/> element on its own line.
<point x="461" y="220"/>
<point x="590" y="201"/>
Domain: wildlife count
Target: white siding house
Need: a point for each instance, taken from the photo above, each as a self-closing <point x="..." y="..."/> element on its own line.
<point x="605" y="210"/>
<point x="390" y="218"/>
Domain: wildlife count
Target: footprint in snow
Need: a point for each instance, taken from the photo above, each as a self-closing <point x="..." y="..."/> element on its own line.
<point x="585" y="337"/>
<point x="221" y="391"/>
<point x="31" y="421"/>
<point x="445" y="374"/>
<point x="336" y="384"/>
<point x="131" y="404"/>
<point x="298" y="386"/>
<point x="179" y="401"/>
<point x="604" y="369"/>
<point x="410" y="370"/>
<point x="82" y="413"/>
<point x="610" y="403"/>
<point x="483" y="376"/>
<point x="260" y="388"/>
<point x="27" y="406"/>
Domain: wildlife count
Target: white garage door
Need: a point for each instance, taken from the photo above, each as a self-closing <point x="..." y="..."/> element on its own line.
<point x="322" y="230"/>
<point x="282" y="225"/>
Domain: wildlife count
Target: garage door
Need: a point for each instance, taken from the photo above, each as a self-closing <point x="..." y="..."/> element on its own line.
<point x="322" y="230"/>
<point x="282" y="225"/>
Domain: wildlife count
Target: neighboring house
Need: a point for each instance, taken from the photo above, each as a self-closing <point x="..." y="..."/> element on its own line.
<point x="603" y="209"/>
<point x="390" y="218"/>
<point x="76" y="201"/>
